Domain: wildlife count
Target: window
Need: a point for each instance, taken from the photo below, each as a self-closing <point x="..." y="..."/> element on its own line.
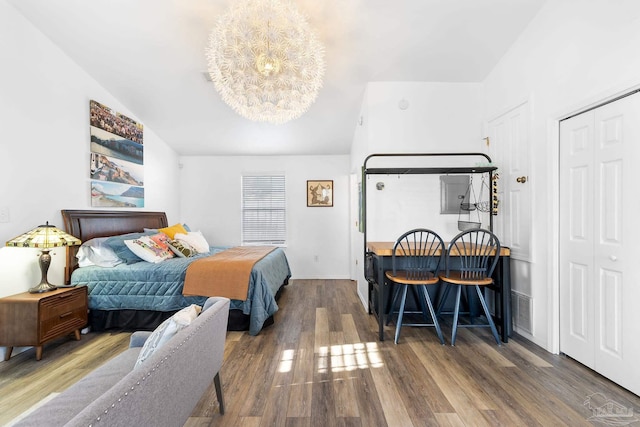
<point x="264" y="219"/>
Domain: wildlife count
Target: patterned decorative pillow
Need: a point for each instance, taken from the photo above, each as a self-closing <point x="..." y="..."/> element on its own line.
<point x="147" y="249"/>
<point x="167" y="330"/>
<point x="182" y="249"/>
<point x="194" y="239"/>
<point x="161" y="240"/>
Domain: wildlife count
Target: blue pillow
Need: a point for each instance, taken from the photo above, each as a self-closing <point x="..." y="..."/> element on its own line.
<point x="120" y="248"/>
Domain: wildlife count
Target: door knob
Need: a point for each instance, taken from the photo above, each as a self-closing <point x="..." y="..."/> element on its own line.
<point x="613" y="257"/>
<point x="521" y="179"/>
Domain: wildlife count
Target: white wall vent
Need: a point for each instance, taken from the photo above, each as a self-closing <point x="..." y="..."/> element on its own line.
<point x="522" y="307"/>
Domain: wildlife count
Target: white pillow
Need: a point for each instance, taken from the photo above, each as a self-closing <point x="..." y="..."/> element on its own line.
<point x="148" y="250"/>
<point x="167" y="330"/>
<point x="195" y="239"/>
<point x="96" y="252"/>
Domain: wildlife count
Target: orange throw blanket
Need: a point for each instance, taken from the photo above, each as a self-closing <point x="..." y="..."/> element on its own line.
<point x="225" y="274"/>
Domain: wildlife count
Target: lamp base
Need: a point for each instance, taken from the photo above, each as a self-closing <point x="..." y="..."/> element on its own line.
<point x="42" y="287"/>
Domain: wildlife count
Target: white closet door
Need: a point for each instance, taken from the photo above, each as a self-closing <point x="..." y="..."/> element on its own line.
<point x="600" y="288"/>
<point x="576" y="237"/>
<point x="617" y="293"/>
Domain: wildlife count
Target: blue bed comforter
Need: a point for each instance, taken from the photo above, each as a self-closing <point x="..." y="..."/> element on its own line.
<point x="158" y="287"/>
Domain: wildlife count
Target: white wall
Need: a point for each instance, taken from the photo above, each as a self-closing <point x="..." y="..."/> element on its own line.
<point x="44" y="147"/>
<point x="441" y="117"/>
<point x="573" y="54"/>
<point x="210" y="199"/>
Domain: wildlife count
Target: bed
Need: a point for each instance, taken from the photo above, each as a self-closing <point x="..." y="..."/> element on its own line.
<point x="142" y="295"/>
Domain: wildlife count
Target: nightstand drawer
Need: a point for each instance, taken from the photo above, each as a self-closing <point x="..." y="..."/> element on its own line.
<point x="62" y="323"/>
<point x="61" y="305"/>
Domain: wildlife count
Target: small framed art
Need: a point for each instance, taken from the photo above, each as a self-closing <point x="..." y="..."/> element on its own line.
<point x="320" y="193"/>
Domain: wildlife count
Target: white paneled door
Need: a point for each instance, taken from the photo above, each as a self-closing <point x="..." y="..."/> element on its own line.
<point x="599" y="235"/>
<point x="510" y="150"/>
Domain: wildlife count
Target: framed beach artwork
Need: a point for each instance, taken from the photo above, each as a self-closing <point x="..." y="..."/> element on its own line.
<point x="320" y="193"/>
<point x="117" y="159"/>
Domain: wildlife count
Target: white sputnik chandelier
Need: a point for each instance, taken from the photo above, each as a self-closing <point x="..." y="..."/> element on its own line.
<point x="265" y="60"/>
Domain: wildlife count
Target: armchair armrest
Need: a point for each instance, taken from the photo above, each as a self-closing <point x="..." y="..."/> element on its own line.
<point x="138" y="338"/>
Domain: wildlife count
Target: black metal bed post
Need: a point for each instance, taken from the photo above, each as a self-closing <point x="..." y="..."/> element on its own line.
<point x="364" y="231"/>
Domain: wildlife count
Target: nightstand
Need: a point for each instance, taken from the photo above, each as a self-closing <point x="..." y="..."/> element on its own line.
<point x="33" y="319"/>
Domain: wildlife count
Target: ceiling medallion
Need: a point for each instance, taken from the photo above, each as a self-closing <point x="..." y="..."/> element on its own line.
<point x="265" y="60"/>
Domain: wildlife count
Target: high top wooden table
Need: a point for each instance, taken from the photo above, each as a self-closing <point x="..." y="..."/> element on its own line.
<point x="379" y="259"/>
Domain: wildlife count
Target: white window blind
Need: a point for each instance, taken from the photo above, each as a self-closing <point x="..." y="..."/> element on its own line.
<point x="263" y="210"/>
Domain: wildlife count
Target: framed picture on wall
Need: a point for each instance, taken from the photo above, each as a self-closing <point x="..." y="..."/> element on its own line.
<point x="117" y="158"/>
<point x="320" y="193"/>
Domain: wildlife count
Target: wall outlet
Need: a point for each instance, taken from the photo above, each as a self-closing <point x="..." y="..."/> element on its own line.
<point x="4" y="214"/>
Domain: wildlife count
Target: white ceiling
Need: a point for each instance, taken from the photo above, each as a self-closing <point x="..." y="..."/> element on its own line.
<point x="150" y="55"/>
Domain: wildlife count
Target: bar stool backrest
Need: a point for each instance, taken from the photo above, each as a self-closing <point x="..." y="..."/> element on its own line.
<point x="419" y="253"/>
<point x="476" y="251"/>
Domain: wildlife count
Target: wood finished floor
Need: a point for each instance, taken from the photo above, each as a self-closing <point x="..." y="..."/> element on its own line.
<point x="321" y="364"/>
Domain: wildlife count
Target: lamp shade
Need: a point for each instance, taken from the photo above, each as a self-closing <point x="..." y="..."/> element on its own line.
<point x="44" y="237"/>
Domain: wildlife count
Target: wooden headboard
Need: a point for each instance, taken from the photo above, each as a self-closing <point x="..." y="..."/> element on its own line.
<point x="86" y="225"/>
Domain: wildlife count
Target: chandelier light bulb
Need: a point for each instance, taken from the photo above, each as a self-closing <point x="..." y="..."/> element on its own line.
<point x="267" y="65"/>
<point x="265" y="61"/>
